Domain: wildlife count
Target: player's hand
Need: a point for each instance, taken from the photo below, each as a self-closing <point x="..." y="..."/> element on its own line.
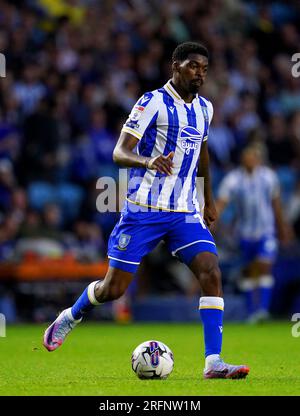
<point x="161" y="163"/>
<point x="286" y="235"/>
<point x="210" y="214"/>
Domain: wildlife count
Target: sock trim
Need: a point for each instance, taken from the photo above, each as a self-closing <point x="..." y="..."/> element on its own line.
<point x="210" y="359"/>
<point x="211" y="302"/>
<point x="71" y="317"/>
<point x="266" y="281"/>
<point x="248" y="283"/>
<point x="211" y="307"/>
<point x="91" y="293"/>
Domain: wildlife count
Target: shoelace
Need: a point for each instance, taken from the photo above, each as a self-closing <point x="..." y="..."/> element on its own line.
<point x="220" y="365"/>
<point x="63" y="329"/>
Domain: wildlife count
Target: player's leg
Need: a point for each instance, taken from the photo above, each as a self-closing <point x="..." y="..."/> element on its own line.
<point x="211" y="305"/>
<point x="265" y="257"/>
<point x="248" y="283"/>
<point x="265" y="288"/>
<point x="123" y="264"/>
<point x="112" y="287"/>
<point x="135" y="235"/>
<point x="258" y="284"/>
<point x="193" y="243"/>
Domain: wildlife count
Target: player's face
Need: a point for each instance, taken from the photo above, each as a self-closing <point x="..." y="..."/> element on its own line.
<point x="250" y="159"/>
<point x="193" y="72"/>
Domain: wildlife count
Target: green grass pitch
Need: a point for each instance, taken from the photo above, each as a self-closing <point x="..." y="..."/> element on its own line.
<point x="95" y="360"/>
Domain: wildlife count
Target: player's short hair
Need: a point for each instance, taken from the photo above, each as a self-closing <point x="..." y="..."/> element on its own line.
<point x="183" y="50"/>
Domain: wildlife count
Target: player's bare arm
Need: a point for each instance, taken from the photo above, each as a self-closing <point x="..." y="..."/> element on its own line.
<point x="124" y="155"/>
<point x="284" y="231"/>
<point x="210" y="212"/>
<point x="220" y="205"/>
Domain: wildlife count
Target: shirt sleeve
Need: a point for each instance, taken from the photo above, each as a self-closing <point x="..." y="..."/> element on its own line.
<point x="210" y="112"/>
<point x="227" y="187"/>
<point x="142" y="116"/>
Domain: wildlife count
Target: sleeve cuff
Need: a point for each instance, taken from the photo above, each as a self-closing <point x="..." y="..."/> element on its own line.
<point x="133" y="132"/>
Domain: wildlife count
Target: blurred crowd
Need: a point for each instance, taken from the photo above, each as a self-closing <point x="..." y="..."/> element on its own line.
<point x="75" y="68"/>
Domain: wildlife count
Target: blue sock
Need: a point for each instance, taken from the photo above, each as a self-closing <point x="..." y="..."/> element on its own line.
<point x="265" y="292"/>
<point x="86" y="302"/>
<point x="211" y="312"/>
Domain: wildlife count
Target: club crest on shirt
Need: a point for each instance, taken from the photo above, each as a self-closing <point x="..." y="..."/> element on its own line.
<point x="190" y="139"/>
<point x="123" y="241"/>
<point x="136" y="112"/>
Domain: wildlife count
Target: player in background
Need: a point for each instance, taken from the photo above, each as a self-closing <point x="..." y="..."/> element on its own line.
<point x="254" y="189"/>
<point x="164" y="142"/>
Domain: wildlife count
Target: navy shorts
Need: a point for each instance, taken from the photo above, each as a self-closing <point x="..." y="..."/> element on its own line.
<point x="138" y="233"/>
<point x="264" y="249"/>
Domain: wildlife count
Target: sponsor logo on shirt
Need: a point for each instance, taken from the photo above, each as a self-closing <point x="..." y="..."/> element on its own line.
<point x="190" y="139"/>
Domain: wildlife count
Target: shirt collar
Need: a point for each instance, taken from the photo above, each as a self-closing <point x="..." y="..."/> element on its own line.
<point x="174" y="94"/>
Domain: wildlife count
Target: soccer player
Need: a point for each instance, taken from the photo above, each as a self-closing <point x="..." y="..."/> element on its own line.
<point x="254" y="189"/>
<point x="169" y="129"/>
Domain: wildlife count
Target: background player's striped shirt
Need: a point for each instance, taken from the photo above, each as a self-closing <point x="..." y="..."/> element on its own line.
<point x="163" y="122"/>
<point x="253" y="195"/>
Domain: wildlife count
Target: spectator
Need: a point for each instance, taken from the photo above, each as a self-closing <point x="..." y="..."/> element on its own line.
<point x="29" y="90"/>
<point x="7" y="184"/>
<point x="280" y="147"/>
<point x="102" y="143"/>
<point x="39" y="145"/>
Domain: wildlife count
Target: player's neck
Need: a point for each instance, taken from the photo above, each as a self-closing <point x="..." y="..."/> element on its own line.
<point x="185" y="95"/>
<point x="249" y="171"/>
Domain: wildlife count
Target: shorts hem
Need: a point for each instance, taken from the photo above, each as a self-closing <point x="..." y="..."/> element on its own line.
<point x="130" y="267"/>
<point x="187" y="254"/>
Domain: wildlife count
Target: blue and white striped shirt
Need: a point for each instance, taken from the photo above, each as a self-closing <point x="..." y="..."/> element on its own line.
<point x="164" y="122"/>
<point x="252" y="194"/>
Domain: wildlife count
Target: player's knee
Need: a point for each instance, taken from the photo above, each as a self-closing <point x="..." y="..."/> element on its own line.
<point x="209" y="277"/>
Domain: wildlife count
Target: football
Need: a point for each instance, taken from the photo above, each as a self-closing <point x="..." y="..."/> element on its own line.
<point x="152" y="360"/>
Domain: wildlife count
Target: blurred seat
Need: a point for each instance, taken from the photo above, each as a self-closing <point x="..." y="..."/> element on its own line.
<point x="40" y="194"/>
<point x="287" y="178"/>
<point x="69" y="197"/>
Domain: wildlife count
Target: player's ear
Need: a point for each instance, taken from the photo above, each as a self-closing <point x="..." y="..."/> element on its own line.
<point x="176" y="66"/>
